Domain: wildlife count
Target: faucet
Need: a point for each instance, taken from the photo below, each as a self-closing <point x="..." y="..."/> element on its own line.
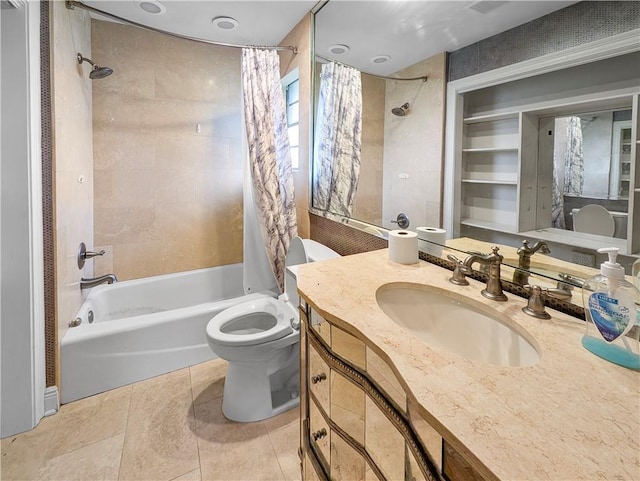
<point x="521" y="275"/>
<point x="86" y="283"/>
<point x="493" y="260"/>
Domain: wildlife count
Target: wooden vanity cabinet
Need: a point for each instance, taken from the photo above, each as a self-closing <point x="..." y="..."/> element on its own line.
<point x="357" y="422"/>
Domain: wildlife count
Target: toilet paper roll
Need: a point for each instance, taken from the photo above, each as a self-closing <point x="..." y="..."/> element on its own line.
<point x="431" y="240"/>
<point x="403" y="247"/>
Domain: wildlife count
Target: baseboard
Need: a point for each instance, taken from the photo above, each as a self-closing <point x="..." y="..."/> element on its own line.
<point x="51" y="401"/>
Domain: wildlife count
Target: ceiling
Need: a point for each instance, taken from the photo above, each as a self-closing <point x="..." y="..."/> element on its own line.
<point x="405" y="30"/>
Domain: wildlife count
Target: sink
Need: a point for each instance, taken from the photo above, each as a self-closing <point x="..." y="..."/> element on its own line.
<point x="455" y="324"/>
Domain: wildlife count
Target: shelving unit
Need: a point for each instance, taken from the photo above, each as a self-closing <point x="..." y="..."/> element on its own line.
<point x="491" y="176"/>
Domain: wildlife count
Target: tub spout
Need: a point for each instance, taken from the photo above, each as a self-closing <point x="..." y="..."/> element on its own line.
<point x="86" y="283"/>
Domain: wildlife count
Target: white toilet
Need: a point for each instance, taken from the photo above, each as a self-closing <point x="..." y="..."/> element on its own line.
<point x="259" y="339"/>
<point x="593" y="219"/>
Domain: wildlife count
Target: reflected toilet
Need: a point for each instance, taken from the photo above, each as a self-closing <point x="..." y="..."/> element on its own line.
<point x="594" y="219"/>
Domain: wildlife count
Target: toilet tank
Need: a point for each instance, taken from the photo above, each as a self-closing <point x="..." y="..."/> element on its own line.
<point x="302" y="251"/>
<point x="318" y="252"/>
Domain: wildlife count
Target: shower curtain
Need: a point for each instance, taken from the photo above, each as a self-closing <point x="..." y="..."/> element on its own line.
<point x="573" y="168"/>
<point x="337" y="139"/>
<point x="269" y="154"/>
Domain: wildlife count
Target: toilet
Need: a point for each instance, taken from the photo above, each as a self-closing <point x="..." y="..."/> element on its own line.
<point x="593" y="219"/>
<point x="259" y="339"/>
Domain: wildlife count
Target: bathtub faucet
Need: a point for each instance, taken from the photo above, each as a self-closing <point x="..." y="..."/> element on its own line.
<point x="86" y="283"/>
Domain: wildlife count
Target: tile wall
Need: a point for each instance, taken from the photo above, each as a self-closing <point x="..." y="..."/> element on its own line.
<point x="167" y="153"/>
<point x="72" y="155"/>
<point x="368" y="202"/>
<point x="413" y="148"/>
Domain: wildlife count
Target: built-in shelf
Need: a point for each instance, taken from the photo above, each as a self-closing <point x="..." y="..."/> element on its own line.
<point x="490" y="181"/>
<point x="492" y="149"/>
<point x="485" y="224"/>
<point x="489" y="117"/>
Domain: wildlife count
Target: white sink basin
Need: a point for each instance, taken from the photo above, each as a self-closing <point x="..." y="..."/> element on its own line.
<point x="453" y="323"/>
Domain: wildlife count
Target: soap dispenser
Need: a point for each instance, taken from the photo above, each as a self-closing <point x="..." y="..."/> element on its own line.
<point x="610" y="304"/>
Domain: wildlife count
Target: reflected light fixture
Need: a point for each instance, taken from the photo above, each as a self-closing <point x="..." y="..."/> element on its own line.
<point x="152" y="6"/>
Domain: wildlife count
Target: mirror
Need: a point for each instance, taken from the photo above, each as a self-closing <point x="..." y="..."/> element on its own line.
<point x="591" y="166"/>
<point x="413" y="175"/>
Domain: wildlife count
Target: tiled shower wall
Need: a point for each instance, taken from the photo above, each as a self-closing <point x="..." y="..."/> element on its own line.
<point x="368" y="201"/>
<point x="167" y="153"/>
<point x="72" y="157"/>
<point x="413" y="145"/>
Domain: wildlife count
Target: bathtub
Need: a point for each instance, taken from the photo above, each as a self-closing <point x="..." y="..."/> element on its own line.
<point x="134" y="330"/>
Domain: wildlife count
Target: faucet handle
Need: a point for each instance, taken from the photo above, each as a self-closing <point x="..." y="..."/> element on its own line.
<point x="458" y="278"/>
<point x="535" y="305"/>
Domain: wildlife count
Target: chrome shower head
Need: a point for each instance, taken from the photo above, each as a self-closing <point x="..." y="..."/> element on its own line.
<point x="97" y="71"/>
<point x="401" y="111"/>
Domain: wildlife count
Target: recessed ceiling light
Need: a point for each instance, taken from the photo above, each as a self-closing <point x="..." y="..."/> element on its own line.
<point x="225" y="23"/>
<point x="152" y="6"/>
<point x="380" y="58"/>
<point x="339" y="48"/>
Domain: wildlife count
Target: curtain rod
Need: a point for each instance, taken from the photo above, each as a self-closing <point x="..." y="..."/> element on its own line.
<point x="71" y="4"/>
<point x="424" y="78"/>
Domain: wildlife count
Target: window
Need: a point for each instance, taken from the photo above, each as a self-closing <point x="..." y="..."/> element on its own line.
<point x="291" y="84"/>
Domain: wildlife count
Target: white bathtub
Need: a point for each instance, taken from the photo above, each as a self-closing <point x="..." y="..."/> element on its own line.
<point x="143" y="328"/>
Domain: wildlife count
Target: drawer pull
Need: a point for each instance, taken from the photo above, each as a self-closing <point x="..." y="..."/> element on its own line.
<point x="319" y="434"/>
<point x="318" y="378"/>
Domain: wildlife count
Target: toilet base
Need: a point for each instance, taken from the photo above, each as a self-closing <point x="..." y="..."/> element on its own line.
<point x="248" y="394"/>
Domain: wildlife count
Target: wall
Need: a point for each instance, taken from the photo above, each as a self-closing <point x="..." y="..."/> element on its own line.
<point x="413" y="145"/>
<point x="72" y="154"/>
<point x="300" y="36"/>
<point x="577" y="24"/>
<point x="368" y="201"/>
<point x="21" y="290"/>
<point x="168" y="198"/>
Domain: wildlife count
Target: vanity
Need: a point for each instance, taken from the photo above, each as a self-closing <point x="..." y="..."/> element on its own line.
<point x="380" y="403"/>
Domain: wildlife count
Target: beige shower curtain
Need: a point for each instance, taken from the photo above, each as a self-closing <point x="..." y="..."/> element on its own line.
<point x="269" y="154"/>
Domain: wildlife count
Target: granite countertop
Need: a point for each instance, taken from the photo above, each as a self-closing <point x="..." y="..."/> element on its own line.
<point x="571" y="416"/>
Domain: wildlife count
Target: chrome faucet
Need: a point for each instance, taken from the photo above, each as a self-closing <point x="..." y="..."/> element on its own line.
<point x="86" y="283"/>
<point x="493" y="260"/>
<point x="521" y="275"/>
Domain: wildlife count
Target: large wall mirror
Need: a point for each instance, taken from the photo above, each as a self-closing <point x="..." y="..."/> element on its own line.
<point x="408" y="164"/>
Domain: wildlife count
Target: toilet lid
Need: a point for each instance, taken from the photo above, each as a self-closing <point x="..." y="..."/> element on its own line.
<point x="253" y="322"/>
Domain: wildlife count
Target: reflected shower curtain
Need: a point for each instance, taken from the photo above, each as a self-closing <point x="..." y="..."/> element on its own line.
<point x="269" y="154"/>
<point x="573" y="168"/>
<point x="337" y="139"/>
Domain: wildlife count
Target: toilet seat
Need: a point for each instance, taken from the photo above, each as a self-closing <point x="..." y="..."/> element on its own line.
<point x="251" y="323"/>
<point x="594" y="219"/>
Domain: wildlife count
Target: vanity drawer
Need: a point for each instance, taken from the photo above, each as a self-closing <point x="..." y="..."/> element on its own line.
<point x="347" y="406"/>
<point x="319" y="376"/>
<point x="319" y="435"/>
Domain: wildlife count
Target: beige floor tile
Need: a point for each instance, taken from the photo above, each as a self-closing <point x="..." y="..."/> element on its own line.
<point x="97" y="461"/>
<point x="292" y="416"/>
<point x="23" y="454"/>
<point x="233" y="451"/>
<point x="190" y="476"/>
<point x="160" y="442"/>
<point x="285" y="442"/>
<point x="90" y="420"/>
<point x="207" y="380"/>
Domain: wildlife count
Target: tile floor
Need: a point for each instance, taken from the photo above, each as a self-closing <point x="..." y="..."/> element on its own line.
<point x="169" y="427"/>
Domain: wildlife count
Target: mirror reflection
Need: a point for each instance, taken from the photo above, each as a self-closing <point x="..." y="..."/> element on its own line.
<point x="579" y="157"/>
<point x="592" y="172"/>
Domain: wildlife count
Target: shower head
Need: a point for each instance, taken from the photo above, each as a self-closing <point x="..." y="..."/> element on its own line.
<point x="401" y="111"/>
<point x="97" y="71"/>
